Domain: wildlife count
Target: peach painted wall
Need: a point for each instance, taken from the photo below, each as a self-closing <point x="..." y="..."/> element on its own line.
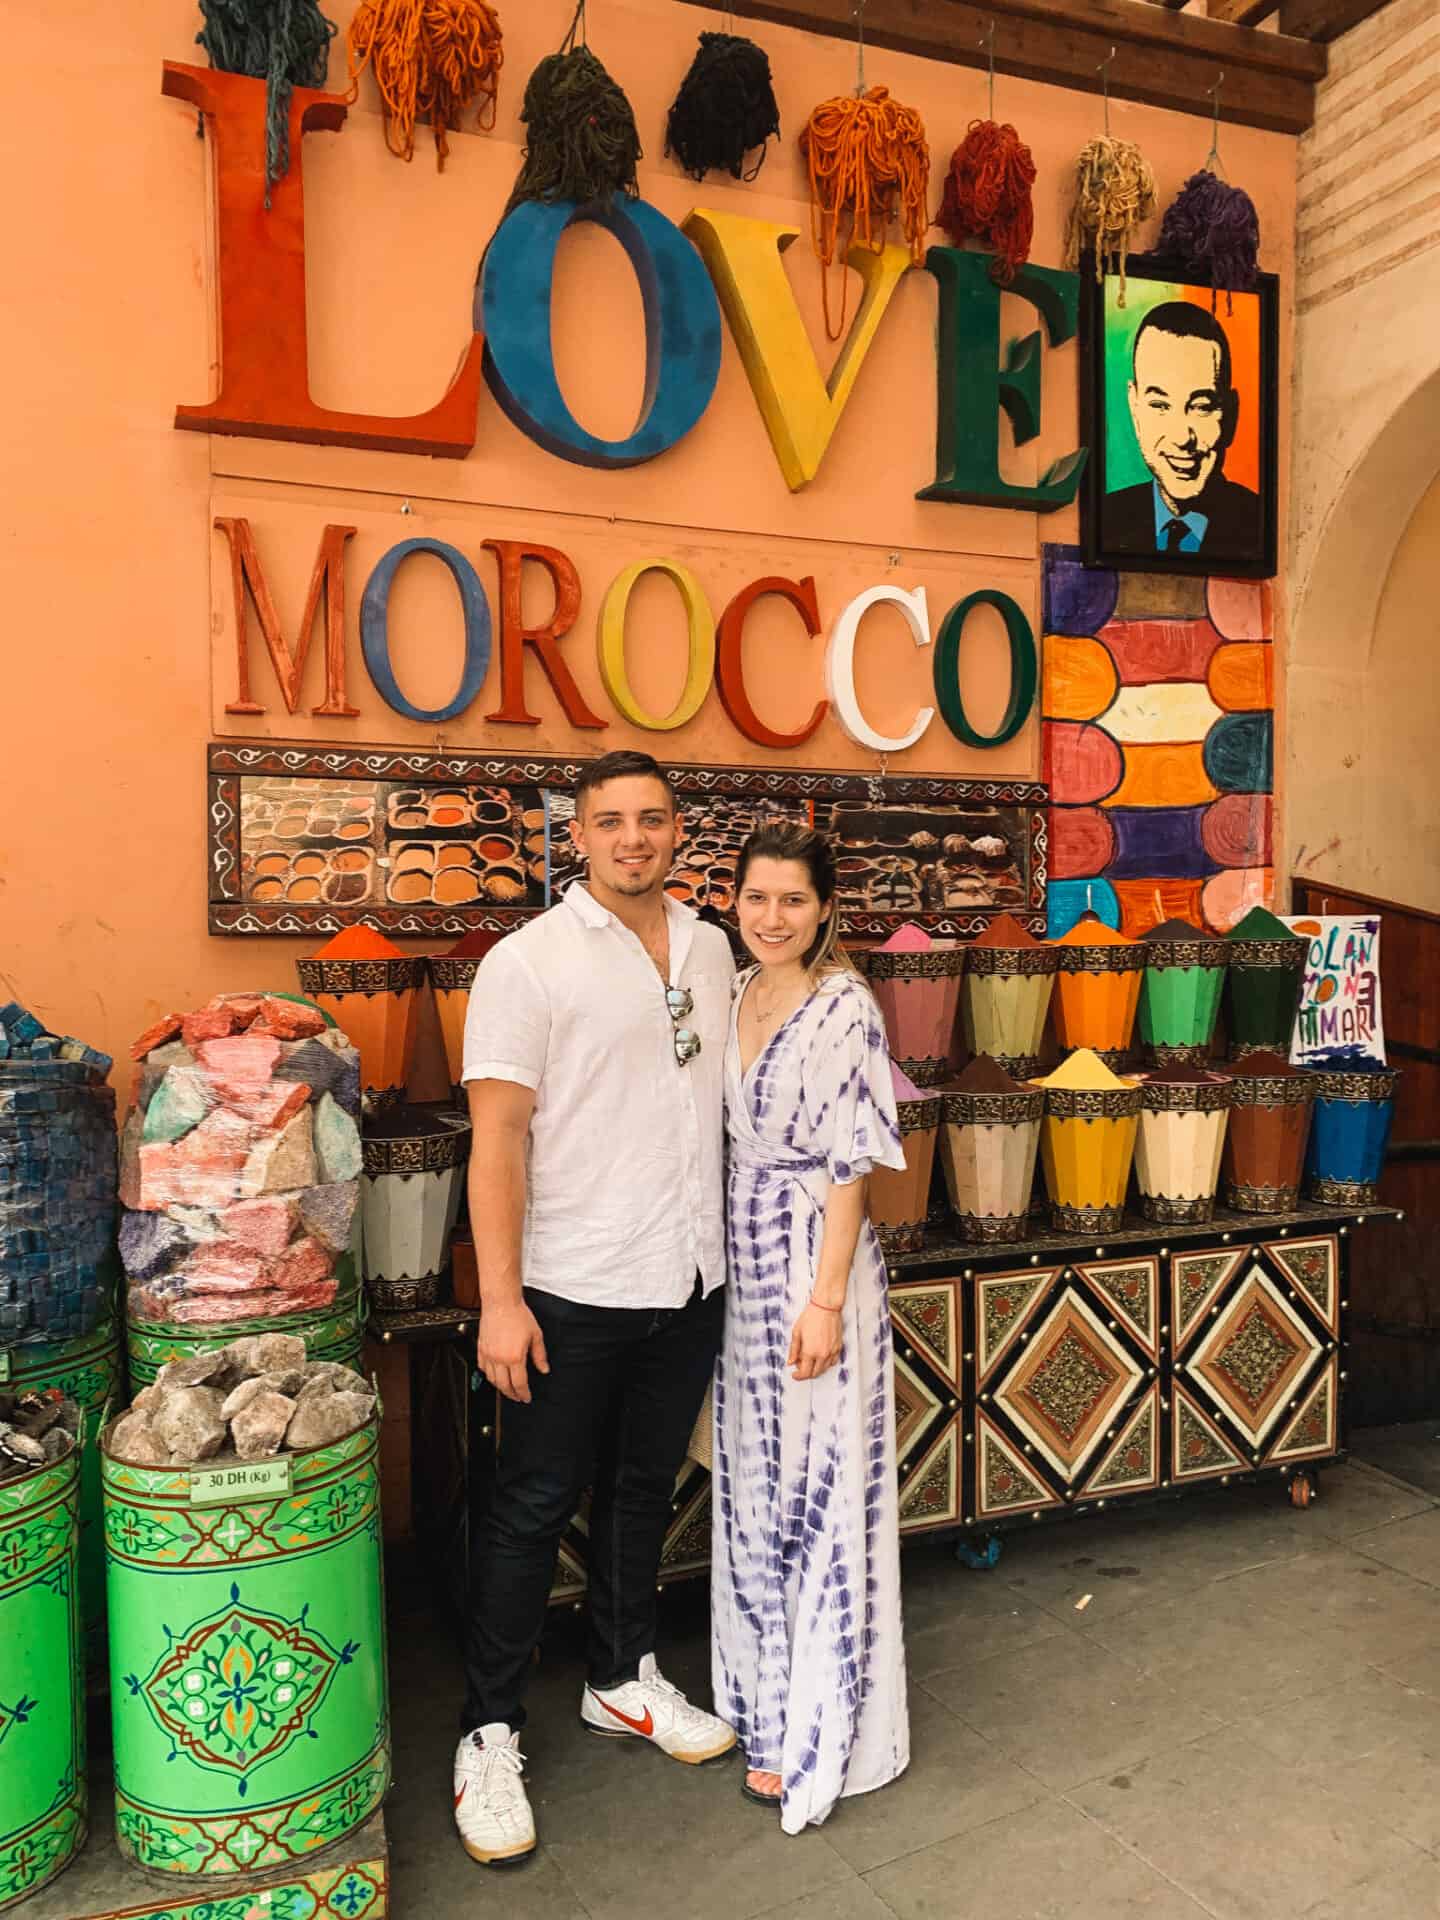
<point x="119" y="655"/>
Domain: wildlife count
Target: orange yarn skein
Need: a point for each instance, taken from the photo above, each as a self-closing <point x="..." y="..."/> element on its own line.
<point x="987" y="196"/>
<point x="864" y="154"/>
<point x="431" y="59"/>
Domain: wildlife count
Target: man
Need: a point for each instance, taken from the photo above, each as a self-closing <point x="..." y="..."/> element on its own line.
<point x="1184" y="411"/>
<point x="594" y="1046"/>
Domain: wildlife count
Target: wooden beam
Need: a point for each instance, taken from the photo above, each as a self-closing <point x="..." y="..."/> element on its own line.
<point x="1174" y="5"/>
<point x="1163" y="59"/>
<point x="1325" y="20"/>
<point x="1242" y="13"/>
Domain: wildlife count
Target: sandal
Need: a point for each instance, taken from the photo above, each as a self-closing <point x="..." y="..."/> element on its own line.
<point x="753" y="1793"/>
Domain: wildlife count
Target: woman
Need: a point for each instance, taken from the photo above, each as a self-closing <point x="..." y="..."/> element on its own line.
<point x="807" y="1658"/>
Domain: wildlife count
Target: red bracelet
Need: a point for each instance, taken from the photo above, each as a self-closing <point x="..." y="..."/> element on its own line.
<point x="822" y="1306"/>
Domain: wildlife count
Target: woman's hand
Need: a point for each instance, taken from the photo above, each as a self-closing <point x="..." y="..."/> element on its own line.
<point x="815" y="1343"/>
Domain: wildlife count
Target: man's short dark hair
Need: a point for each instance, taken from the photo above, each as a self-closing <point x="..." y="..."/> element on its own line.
<point x="620" y="765"/>
<point x="1186" y="322"/>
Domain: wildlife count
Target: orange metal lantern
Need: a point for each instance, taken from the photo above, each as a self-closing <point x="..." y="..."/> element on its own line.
<point x="1087" y="1142"/>
<point x="1098" y="989"/>
<point x="368" y="987"/>
<point x="898" y="1201"/>
<point x="452" y="974"/>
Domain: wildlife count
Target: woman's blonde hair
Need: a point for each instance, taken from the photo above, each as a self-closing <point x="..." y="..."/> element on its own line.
<point x="784" y="840"/>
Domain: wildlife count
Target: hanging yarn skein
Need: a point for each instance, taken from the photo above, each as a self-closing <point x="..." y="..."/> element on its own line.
<point x="582" y="142"/>
<point x="1114" y="192"/>
<point x="285" y="43"/>
<point x="987" y="196"/>
<point x="865" y="153"/>
<point x="431" y="59"/>
<point x="1213" y="230"/>
<point x="725" y="109"/>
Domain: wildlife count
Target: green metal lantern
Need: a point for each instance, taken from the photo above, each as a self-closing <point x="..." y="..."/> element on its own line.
<point x="247" y="1657"/>
<point x="1180" y="993"/>
<point x="89" y="1371"/>
<point x="1262" y="987"/>
<point x="42" y="1678"/>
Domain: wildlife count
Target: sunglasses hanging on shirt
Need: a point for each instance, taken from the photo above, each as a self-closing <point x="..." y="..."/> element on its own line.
<point x="680" y="1003"/>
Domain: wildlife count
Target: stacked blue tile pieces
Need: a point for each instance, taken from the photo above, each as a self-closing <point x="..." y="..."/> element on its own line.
<point x="57" y="1183"/>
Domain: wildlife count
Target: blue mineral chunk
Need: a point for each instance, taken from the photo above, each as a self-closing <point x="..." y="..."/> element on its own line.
<point x="24" y="1027"/>
<point x="44" y="1047"/>
<point x="151" y="1243"/>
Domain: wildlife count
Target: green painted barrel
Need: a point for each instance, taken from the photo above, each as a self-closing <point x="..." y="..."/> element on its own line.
<point x="90" y="1372"/>
<point x="337" y="1333"/>
<point x="42" y="1679"/>
<point x="247" y="1660"/>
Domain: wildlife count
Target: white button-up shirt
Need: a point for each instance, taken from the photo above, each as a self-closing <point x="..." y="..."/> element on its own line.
<point x="625" y="1160"/>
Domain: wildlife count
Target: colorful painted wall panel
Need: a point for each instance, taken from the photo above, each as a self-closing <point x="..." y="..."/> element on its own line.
<point x="1158" y="743"/>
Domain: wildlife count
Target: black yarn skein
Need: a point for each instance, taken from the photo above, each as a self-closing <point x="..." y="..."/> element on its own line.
<point x="724" y="110"/>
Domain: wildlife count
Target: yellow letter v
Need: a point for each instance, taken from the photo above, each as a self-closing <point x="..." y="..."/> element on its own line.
<point x="800" y="409"/>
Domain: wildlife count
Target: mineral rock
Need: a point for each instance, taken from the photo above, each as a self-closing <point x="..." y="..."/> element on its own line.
<point x="188" y="1422"/>
<point x="328" y="1213"/>
<point x="260" y="1426"/>
<point x="276" y="1351"/>
<point x="301" y="1265"/>
<point x="271" y="1105"/>
<point x="323" y="1070"/>
<point x="207" y="1023"/>
<point x="264" y="1224"/>
<point x="133" y="1437"/>
<point x="240" y="1397"/>
<point x="155" y="1036"/>
<point x="180" y="1102"/>
<point x="151" y="1243"/>
<point x="223" y="1266"/>
<point x="322" y="1415"/>
<point x="195" y="1370"/>
<point x="21" y="1446"/>
<point x="288" y="1019"/>
<point x="242" y="1356"/>
<point x="337" y="1141"/>
<point x="240" y="1064"/>
<point x="285" y="1160"/>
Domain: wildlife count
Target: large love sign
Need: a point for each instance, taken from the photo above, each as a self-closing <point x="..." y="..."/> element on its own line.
<point x="720" y="262"/>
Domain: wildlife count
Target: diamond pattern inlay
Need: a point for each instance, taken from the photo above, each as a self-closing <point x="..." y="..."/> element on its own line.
<point x="1312" y="1429"/>
<point x="1253" y="1356"/>
<point x="1313" y="1266"/>
<point x="917" y="1408"/>
<point x="1195" y="1278"/>
<point x="1005" y="1302"/>
<point x="1200" y="1449"/>
<point x="1133" y="1461"/>
<point x="1129" y="1288"/>
<point x="1072" y="1379"/>
<point x="926" y="1313"/>
<point x="1006" y="1483"/>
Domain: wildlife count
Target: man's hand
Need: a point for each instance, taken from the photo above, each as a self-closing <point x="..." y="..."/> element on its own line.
<point x="510" y="1341"/>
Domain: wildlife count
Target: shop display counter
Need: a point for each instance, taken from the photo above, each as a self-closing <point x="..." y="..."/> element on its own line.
<point x="1050" y="1377"/>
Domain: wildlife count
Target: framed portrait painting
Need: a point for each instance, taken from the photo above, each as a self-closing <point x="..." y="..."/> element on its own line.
<point x="1181" y="419"/>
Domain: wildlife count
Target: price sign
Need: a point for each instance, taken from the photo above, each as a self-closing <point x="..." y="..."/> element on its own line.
<point x="240" y="1480"/>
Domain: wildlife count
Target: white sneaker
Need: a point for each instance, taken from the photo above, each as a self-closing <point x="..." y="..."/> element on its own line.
<point x="649" y="1708"/>
<point x="491" y="1808"/>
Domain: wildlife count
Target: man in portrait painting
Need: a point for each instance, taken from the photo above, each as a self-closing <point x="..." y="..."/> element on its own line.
<point x="1184" y="409"/>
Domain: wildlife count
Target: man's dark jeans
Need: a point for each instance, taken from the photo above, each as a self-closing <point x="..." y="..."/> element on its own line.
<point x="614" y="1413"/>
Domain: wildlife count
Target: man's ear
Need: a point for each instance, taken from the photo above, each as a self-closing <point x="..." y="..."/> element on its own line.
<point x="577" y="834"/>
<point x="1230" y="414"/>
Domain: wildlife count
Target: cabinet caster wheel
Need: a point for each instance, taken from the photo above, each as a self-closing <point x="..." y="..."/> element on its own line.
<point x="1302" y="1490"/>
<point x="979" y="1559"/>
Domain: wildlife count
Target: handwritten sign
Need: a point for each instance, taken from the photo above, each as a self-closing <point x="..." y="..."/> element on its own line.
<point x="239" y="1480"/>
<point x="1339" y="1022"/>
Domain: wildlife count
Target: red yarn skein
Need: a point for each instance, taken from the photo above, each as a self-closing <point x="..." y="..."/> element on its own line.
<point x="987" y="195"/>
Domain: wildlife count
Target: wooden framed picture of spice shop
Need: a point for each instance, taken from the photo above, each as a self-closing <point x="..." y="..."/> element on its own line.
<point x="1180" y="413"/>
<point x="309" y="840"/>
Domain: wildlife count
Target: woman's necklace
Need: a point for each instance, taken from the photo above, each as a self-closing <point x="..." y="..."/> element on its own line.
<point x="782" y="1004"/>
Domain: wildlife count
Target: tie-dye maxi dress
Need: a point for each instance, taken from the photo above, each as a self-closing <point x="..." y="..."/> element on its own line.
<point x="807" y="1656"/>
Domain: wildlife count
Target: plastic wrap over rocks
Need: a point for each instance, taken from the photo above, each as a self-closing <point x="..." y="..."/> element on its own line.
<point x="239" y="1162"/>
<point x="57" y="1183"/>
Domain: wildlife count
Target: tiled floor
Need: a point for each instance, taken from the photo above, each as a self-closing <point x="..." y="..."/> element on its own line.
<point x="1222" y="1707"/>
<point x="1242" y="1720"/>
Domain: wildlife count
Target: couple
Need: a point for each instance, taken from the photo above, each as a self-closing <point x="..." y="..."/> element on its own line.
<point x="609" y="1068"/>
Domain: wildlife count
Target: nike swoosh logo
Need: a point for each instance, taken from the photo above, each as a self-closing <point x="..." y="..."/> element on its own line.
<point x="460" y="1796"/>
<point x="645" y="1726"/>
